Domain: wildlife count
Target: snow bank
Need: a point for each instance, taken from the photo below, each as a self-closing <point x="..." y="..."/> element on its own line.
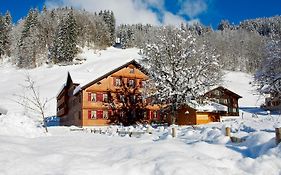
<point x="19" y="125"/>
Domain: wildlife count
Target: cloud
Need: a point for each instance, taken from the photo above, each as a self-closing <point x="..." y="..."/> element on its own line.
<point x="192" y="8"/>
<point x="171" y="19"/>
<point x="138" y="11"/>
<point x="126" y="11"/>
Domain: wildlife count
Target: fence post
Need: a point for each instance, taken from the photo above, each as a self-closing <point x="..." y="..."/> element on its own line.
<point x="227" y="131"/>
<point x="173" y="132"/>
<point x="278" y="135"/>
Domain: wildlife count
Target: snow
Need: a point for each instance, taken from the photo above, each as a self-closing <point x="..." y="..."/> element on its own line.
<point x="240" y="83"/>
<point x="25" y="149"/>
<point x="209" y="106"/>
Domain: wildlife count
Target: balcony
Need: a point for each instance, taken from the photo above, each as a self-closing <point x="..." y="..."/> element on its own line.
<point x="61" y="101"/>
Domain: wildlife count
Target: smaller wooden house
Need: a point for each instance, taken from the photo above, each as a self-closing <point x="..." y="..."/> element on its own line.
<point x="224" y="96"/>
<point x="194" y="113"/>
<point x="212" y="106"/>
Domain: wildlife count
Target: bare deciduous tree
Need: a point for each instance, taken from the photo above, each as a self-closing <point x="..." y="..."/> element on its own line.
<point x="31" y="99"/>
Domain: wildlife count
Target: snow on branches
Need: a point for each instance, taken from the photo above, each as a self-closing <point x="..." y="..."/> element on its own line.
<point x="180" y="66"/>
<point x="268" y="77"/>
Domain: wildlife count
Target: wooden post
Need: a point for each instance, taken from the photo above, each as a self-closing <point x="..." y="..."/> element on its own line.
<point x="227" y="131"/>
<point x="173" y="132"/>
<point x="278" y="135"/>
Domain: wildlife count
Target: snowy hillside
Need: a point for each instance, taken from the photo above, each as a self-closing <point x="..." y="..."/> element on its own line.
<point x="25" y="149"/>
<point x="240" y="83"/>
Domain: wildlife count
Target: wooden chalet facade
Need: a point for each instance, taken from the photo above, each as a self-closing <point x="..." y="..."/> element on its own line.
<point x="210" y="107"/>
<point x="224" y="96"/>
<point x="86" y="104"/>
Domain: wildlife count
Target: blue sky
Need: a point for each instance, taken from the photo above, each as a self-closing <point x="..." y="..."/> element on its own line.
<point x="208" y="12"/>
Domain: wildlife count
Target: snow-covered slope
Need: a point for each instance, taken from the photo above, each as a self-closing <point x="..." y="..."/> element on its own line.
<point x="240" y="83"/>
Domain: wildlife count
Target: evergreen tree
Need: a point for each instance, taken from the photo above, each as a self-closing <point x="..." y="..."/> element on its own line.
<point x="29" y="41"/>
<point x="2" y="24"/>
<point x="7" y="32"/>
<point x="64" y="47"/>
<point x="109" y="19"/>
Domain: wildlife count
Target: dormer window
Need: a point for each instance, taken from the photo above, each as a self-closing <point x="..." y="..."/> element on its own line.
<point x="132" y="70"/>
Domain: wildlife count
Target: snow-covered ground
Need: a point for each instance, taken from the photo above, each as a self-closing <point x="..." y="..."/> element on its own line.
<point x="25" y="149"/>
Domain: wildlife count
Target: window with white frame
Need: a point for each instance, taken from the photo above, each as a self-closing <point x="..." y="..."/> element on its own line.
<point x="105" y="97"/>
<point x="117" y="82"/>
<point x="122" y="97"/>
<point x="93" y="114"/>
<point x="131" y="83"/>
<point x="132" y="70"/>
<point x="93" y="97"/>
<point x="105" y="114"/>
<point x="155" y="114"/>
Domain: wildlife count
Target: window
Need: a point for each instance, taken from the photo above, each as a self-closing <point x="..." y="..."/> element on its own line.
<point x="105" y="98"/>
<point x="223" y="101"/>
<point x="217" y="92"/>
<point x="117" y="82"/>
<point x="132" y="98"/>
<point x="131" y="83"/>
<point x="144" y="114"/>
<point x="132" y="70"/>
<point x="155" y="114"/>
<point x="92" y="97"/>
<point x="234" y="109"/>
<point x="121" y="97"/>
<point x="142" y="83"/>
<point x="93" y="114"/>
<point x="105" y="114"/>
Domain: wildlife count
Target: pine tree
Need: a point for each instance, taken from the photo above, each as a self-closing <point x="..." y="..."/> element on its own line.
<point x="2" y="31"/>
<point x="109" y="19"/>
<point x="29" y="41"/>
<point x="64" y="47"/>
<point x="7" y="31"/>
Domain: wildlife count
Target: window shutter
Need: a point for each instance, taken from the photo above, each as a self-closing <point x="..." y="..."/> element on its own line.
<point x="114" y="81"/>
<point x="99" y="97"/>
<point x="99" y="114"/>
<point x="89" y="114"/>
<point x="89" y="96"/>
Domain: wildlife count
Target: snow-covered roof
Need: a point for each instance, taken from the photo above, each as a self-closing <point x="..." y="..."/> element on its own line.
<point x="97" y="69"/>
<point x="207" y="106"/>
<point x="223" y="88"/>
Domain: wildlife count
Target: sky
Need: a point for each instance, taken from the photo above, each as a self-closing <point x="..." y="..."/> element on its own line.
<point x="158" y="12"/>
